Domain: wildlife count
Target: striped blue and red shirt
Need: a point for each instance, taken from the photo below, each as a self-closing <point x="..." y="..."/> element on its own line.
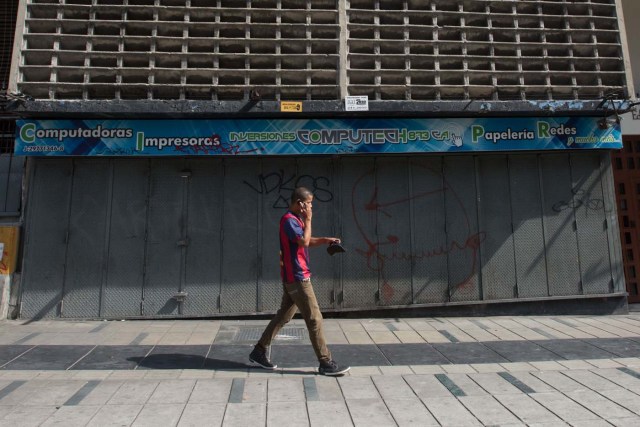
<point x="294" y="258"/>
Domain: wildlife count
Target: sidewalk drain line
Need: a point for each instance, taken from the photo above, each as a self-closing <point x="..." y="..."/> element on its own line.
<point x="516" y="383"/>
<point x="631" y="372"/>
<point x="82" y="393"/>
<point x="237" y="390"/>
<point x="10" y="388"/>
<point x="310" y="389"/>
<point x="27" y="338"/>
<point x="448" y="335"/>
<point x="450" y="385"/>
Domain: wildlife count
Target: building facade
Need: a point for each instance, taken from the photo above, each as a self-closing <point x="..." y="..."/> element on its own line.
<point x="461" y="150"/>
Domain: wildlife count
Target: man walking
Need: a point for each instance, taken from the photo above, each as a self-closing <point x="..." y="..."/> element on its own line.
<point x="295" y="240"/>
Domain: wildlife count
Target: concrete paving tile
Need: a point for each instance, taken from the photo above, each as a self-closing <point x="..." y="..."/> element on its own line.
<point x="448" y="411"/>
<point x="457" y="334"/>
<point x="532" y="382"/>
<point x="409" y="337"/>
<point x="285" y="390"/>
<point x="590" y="423"/>
<point x="358" y="388"/>
<point x="113" y="357"/>
<point x="358" y="355"/>
<point x="494" y="384"/>
<point x="68" y="416"/>
<point x="547" y="366"/>
<point x="527" y="409"/>
<point x="624" y="398"/>
<point x="412" y="354"/>
<point x="621" y="378"/>
<point x="6" y="409"/>
<point x="327" y="389"/>
<point x="395" y="370"/>
<point x="625" y="422"/>
<point x="410" y="412"/>
<point x="335" y="337"/>
<point x="433" y="336"/>
<point x="133" y="392"/>
<point x="211" y="391"/>
<point x="488" y="410"/>
<point x="591" y="380"/>
<point x="419" y="325"/>
<point x="486" y="367"/>
<point x="245" y="414"/>
<point x="50" y="357"/>
<point x="199" y="414"/>
<point x="426" y="386"/>
<point x="26" y="416"/>
<point x="575" y="364"/>
<point x="559" y="381"/>
<point x="459" y="368"/>
<point x="196" y="374"/>
<point x="374" y="325"/>
<point x="102" y="393"/>
<point x="200" y="338"/>
<point x="392" y="387"/>
<point x="599" y="405"/>
<point x="91" y="375"/>
<point x="619" y="347"/>
<point x="172" y="391"/>
<point x="175" y="357"/>
<point x="284" y="413"/>
<point x="255" y="390"/>
<point x="329" y="414"/>
<point x="153" y="415"/>
<point x="466" y="385"/>
<point x="127" y="375"/>
<point x="232" y="373"/>
<point x="358" y="337"/>
<point x="564" y="407"/>
<point x="470" y="352"/>
<point x="367" y="371"/>
<point x="367" y="412"/>
<point x="351" y="326"/>
<point x="163" y="374"/>
<point x="115" y="415"/>
<point x="603" y="363"/>
<point x="387" y="337"/>
<point x="426" y="369"/>
<point x="628" y="361"/>
<point x="517" y="367"/>
<point x="521" y="351"/>
<point x="575" y="349"/>
<point x="19" y="375"/>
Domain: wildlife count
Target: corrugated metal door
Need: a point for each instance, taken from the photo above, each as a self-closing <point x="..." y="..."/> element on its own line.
<point x="126" y="239"/>
<point x="85" y="267"/>
<point x="198" y="237"/>
<point x="46" y="238"/>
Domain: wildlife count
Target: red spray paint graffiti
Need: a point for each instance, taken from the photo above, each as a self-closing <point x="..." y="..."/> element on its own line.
<point x="380" y="251"/>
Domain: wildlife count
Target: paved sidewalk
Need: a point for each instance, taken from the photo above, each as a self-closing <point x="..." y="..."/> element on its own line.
<point x="546" y="371"/>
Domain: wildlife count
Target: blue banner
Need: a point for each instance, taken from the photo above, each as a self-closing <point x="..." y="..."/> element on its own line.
<point x="309" y="136"/>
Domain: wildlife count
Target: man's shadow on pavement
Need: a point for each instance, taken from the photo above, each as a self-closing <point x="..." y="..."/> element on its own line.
<point x="188" y="361"/>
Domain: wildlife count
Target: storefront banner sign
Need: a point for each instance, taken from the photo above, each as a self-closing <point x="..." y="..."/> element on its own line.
<point x="310" y="136"/>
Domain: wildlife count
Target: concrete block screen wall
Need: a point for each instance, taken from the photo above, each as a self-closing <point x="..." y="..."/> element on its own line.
<point x="321" y="49"/>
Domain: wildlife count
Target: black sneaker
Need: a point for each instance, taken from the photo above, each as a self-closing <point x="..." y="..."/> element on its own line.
<point x="332" y="369"/>
<point x="260" y="358"/>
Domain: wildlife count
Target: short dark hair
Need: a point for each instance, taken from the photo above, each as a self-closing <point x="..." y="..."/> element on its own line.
<point x="300" y="193"/>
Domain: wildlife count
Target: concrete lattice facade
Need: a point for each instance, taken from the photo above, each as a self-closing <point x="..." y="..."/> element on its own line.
<point x="427" y="50"/>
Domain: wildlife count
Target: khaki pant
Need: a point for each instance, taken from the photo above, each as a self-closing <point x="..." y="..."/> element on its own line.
<point x="299" y="295"/>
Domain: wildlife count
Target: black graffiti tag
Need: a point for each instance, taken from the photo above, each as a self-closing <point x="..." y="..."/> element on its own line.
<point x="281" y="185"/>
